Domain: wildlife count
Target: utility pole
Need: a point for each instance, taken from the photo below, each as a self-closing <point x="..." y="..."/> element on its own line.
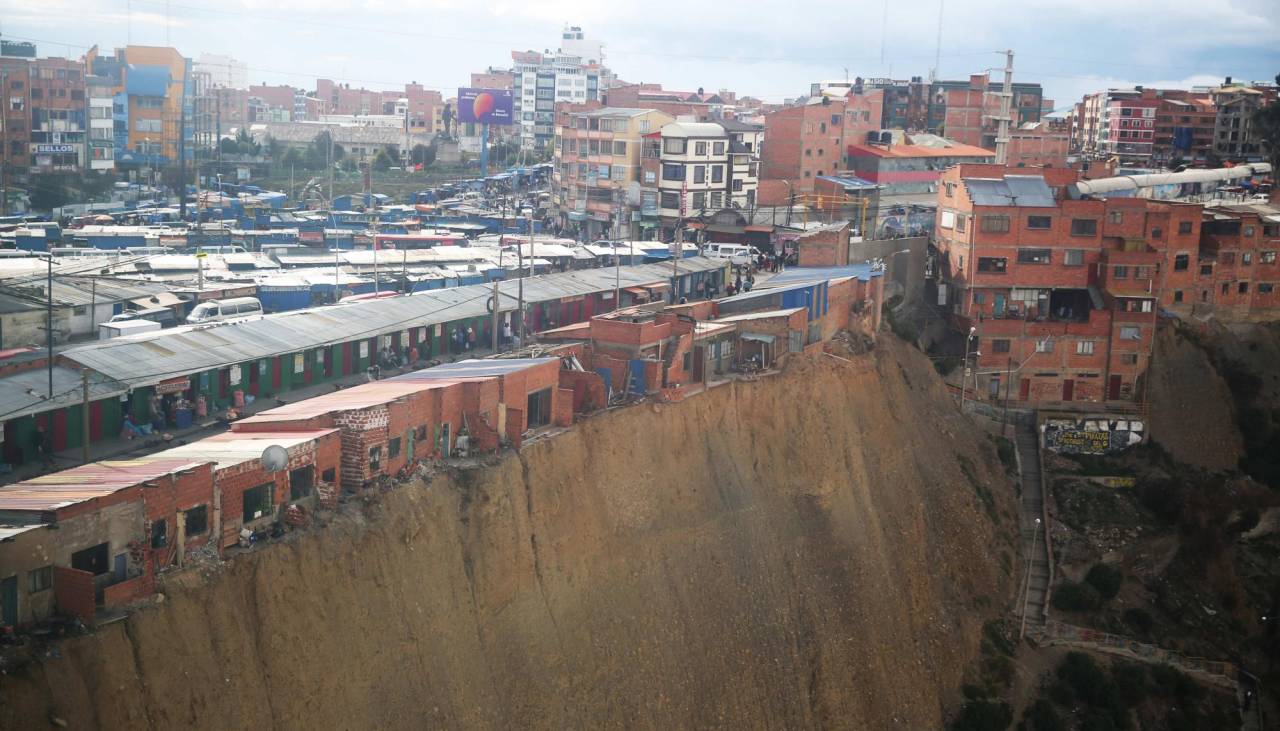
<point x="84" y="413"/>
<point x="496" y="316"/>
<point x="48" y="321"/>
<point x="182" y="155"/>
<point x="937" y="49"/>
<point x="1006" y="110"/>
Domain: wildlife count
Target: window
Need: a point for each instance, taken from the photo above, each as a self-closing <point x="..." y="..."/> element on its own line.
<point x="717" y="200"/>
<point x="1084" y="347"/>
<point x="40" y="579"/>
<point x="650" y="177"/>
<point x="699" y="173"/>
<point x="700" y="149"/>
<point x="1120" y="272"/>
<point x="619" y="172"/>
<point x="737" y="185"/>
<point x="1265" y="288"/>
<point x="1073" y="257"/>
<point x="960" y="222"/>
<point x="1084" y="227"/>
<point x="619" y="147"/>
<point x="257" y="501"/>
<point x="1226" y="287"/>
<point x="1246" y="258"/>
<point x="160" y="533"/>
<point x="1184" y="227"/>
<point x="950" y="189"/>
<point x="699" y="200"/>
<point x="393" y="448"/>
<point x="1206" y="269"/>
<point x="672" y="172"/>
<point x="1034" y="256"/>
<point x="1000" y="346"/>
<point x="992" y="264"/>
<point x="1267" y="257"/>
<point x="1181" y="262"/>
<point x="1177" y="295"/>
<point x="717" y="173"/>
<point x="300" y="482"/>
<point x="1113" y="217"/>
<point x="196" y="520"/>
<point x="979" y="298"/>
<point x="808" y="152"/>
<point x="670" y="200"/>
<point x="1248" y="230"/>
<point x="329" y="475"/>
<point x="673" y="146"/>
<point x="375" y="459"/>
<point x="995" y="224"/>
<point x="1243" y="288"/>
<point x="717" y="148"/>
<point x="1130" y="332"/>
<point x="1039" y="223"/>
<point x="1157" y="233"/>
<point x="1129" y="359"/>
<point x="1044" y="346"/>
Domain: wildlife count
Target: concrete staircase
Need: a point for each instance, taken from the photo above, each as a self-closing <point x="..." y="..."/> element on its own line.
<point x="1035" y="547"/>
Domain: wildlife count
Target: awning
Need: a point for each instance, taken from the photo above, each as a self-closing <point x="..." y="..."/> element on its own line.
<point x="759" y="337"/>
<point x="635" y="290"/>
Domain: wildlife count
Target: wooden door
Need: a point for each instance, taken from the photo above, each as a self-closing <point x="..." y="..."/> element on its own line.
<point x="1024" y="389"/>
<point x="1068" y="389"/>
<point x="1113" y="388"/>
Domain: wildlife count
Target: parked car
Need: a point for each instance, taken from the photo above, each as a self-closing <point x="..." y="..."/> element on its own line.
<point x="737" y="254"/>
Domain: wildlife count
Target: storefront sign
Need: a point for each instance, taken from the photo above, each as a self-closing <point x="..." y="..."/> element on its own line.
<point x="173" y="385"/>
<point x="235" y="374"/>
<point x="299" y="363"/>
<point x="55" y="149"/>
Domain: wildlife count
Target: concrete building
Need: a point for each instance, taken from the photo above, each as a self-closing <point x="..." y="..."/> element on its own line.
<point x="913" y="167"/>
<point x="1233" y="134"/>
<point x="15" y="116"/>
<point x="968" y="112"/>
<point x="492" y="78"/>
<point x="103" y="111"/>
<point x="224" y="71"/>
<point x="1184" y="128"/>
<point x="153" y="88"/>
<point x="573" y="75"/>
<point x="695" y="169"/>
<point x="58" y="115"/>
<point x="597" y="157"/>
<point x="697" y="105"/>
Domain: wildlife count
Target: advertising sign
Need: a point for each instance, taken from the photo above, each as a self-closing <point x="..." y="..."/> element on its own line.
<point x="50" y="149"/>
<point x="484" y="106"/>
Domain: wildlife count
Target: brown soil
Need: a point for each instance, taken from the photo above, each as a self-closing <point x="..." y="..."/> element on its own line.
<point x="1192" y="415"/>
<point x="797" y="552"/>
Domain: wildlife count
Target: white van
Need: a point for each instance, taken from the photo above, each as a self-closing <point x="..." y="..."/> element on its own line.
<point x="737" y="254"/>
<point x="222" y="310"/>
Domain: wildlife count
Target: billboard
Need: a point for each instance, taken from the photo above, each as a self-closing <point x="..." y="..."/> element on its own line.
<point x="484" y="106"/>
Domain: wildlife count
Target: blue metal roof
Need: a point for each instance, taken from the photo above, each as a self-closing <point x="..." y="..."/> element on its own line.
<point x="798" y="275"/>
<point x="848" y="181"/>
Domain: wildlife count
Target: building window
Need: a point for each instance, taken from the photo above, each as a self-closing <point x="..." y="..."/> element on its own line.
<point x="699" y="200"/>
<point x="672" y="172"/>
<point x="1034" y="256"/>
<point x="1181" y="262"/>
<point x="1265" y="288"/>
<point x="40" y="579"/>
<point x="808" y="152"/>
<point x="995" y="224"/>
<point x="650" y="177"/>
<point x="300" y="482"/>
<point x="1177" y="295"/>
<point x="1084" y="227"/>
<point x="1084" y="347"/>
<point x="700" y="149"/>
<point x="1206" y="269"/>
<point x="717" y="148"/>
<point x="1128" y="359"/>
<point x="673" y="146"/>
<point x="670" y="200"/>
<point x="1039" y="223"/>
<point x="960" y="222"/>
<point x="1073" y="257"/>
<point x="1248" y="231"/>
<point x="950" y="189"/>
<point x="375" y="458"/>
<point x="1246" y="258"/>
<point x="196" y="520"/>
<point x="992" y="264"/>
<point x="619" y="147"/>
<point x="1120" y="272"/>
<point x="1267" y="257"/>
<point x="979" y="298"/>
<point x="737" y="185"/>
<point x="1184" y="227"/>
<point x="1044" y="346"/>
<point x="699" y="173"/>
<point x="1243" y="288"/>
<point x="393" y="448"/>
<point x="1130" y="332"/>
<point x="257" y="502"/>
<point x="1000" y="346"/>
<point x="1112" y="217"/>
<point x="1156" y="234"/>
<point x="717" y="173"/>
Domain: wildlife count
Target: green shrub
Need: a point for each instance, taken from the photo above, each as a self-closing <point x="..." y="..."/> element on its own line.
<point x="1086" y="678"/>
<point x="1130" y="680"/>
<point x="983" y="716"/>
<point x="1062" y="694"/>
<point x="1105" y="579"/>
<point x="1073" y="597"/>
<point x="1042" y="716"/>
<point x="1170" y="681"/>
<point x="1140" y="620"/>
<point x="1007" y="453"/>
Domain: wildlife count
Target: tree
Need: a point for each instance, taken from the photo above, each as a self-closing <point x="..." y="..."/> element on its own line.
<point x="293" y="158"/>
<point x="348" y="165"/>
<point x="245" y="144"/>
<point x="422" y="155"/>
<point x="1266" y="129"/>
<point x="382" y="160"/>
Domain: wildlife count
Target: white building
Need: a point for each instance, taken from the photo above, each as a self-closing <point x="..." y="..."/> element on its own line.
<point x="573" y="74"/>
<point x="224" y="71"/>
<point x="707" y="167"/>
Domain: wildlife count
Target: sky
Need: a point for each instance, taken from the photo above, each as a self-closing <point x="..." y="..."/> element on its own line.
<point x="771" y="49"/>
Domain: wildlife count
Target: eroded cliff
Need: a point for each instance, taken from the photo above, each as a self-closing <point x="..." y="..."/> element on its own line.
<point x="808" y="550"/>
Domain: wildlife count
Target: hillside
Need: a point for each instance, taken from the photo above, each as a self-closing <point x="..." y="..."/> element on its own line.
<point x="809" y="550"/>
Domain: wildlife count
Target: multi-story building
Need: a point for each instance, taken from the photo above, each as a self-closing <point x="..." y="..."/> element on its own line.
<point x="154" y="88"/>
<point x="911" y="164"/>
<point x="807" y="141"/>
<point x="1039" y="144"/>
<point x="100" y="151"/>
<point x="696" y="105"/>
<point x="573" y="75"/>
<point x="969" y="112"/>
<point x="1235" y="271"/>
<point x="224" y="71"/>
<point x="492" y="78"/>
<point x="1233" y="136"/>
<point x="15" y="118"/>
<point x="695" y="169"/>
<point x="1061" y="293"/>
<point x="597" y="155"/>
<point x="58" y="115"/>
<point x="1184" y="128"/>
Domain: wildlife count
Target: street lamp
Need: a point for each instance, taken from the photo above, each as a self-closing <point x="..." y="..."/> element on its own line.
<point x="964" y="367"/>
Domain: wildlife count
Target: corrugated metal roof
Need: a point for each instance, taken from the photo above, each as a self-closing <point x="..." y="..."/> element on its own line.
<point x="364" y="396"/>
<point x="234" y="448"/>
<point x="88" y="482"/>
<point x="798" y="275"/>
<point x="9" y="532"/>
<point x="1023" y="191"/>
<point x="26" y="392"/>
<point x="150" y="358"/>
<point x="764" y="315"/>
<point x="476" y="368"/>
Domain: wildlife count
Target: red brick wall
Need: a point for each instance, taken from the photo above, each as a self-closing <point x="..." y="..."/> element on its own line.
<point x="587" y="388"/>
<point x="129" y="591"/>
<point x="824" y="248"/>
<point x="515" y="427"/>
<point x="562" y="407"/>
<point x="73" y="590"/>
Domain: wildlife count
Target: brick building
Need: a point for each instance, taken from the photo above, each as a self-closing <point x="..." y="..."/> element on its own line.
<point x="1235" y="268"/>
<point x="913" y="167"/>
<point x="1062" y="291"/>
<point x="969" y="112"/>
<point x="807" y="141"/>
<point x="697" y="106"/>
<point x="1039" y="144"/>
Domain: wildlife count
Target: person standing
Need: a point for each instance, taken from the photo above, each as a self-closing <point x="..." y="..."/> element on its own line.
<point x="471" y="338"/>
<point x="43" y="446"/>
<point x="506" y="332"/>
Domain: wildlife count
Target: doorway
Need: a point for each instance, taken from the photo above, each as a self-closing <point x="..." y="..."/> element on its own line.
<point x="1113" y="388"/>
<point x="1068" y="389"/>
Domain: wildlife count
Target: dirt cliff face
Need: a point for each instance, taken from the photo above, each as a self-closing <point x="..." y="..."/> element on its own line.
<point x="801" y="551"/>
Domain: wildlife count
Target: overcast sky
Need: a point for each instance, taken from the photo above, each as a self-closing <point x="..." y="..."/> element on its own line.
<point x="766" y="48"/>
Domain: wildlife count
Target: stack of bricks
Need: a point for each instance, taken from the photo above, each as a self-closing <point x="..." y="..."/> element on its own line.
<point x="361" y="430"/>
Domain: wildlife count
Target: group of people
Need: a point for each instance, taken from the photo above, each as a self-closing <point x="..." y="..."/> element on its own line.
<point x="768" y="262"/>
<point x="741" y="284"/>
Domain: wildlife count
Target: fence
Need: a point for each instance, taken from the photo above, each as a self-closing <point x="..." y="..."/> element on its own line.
<point x="1059" y="633"/>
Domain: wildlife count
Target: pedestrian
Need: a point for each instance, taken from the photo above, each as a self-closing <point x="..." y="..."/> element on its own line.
<point x="737" y="281"/>
<point x="43" y="446"/>
<point x="506" y="332"/>
<point x="471" y="338"/>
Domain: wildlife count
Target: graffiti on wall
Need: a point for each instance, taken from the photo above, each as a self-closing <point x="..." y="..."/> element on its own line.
<point x="1092" y="435"/>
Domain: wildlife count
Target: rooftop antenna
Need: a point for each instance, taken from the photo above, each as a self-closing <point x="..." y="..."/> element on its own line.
<point x="937" y="49"/>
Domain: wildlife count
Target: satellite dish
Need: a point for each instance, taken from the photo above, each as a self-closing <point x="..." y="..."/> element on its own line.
<point x="274" y="458"/>
<point x="633" y="193"/>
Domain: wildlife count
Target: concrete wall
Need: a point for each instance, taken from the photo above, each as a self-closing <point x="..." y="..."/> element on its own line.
<point x="903" y="272"/>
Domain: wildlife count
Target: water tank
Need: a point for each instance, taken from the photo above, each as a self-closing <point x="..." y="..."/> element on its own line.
<point x="886" y="137"/>
<point x="873" y="137"/>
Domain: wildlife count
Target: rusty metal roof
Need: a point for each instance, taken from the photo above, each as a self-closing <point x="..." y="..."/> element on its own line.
<point x="229" y="449"/>
<point x="58" y="490"/>
<point x="364" y="396"/>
